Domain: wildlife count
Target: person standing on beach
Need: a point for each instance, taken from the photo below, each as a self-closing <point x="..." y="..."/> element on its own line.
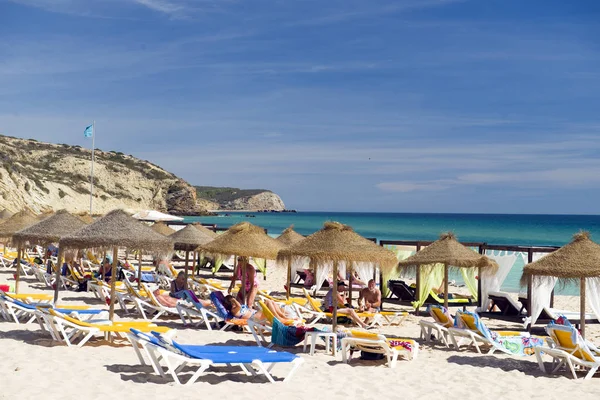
<point x="251" y="281"/>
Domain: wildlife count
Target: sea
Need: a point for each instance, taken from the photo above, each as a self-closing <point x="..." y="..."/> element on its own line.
<point x="496" y="229"/>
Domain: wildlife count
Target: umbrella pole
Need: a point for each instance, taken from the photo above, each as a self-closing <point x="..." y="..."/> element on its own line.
<point x="19" y="252"/>
<point x="582" y="307"/>
<point x="140" y="270"/>
<point x="187" y="257"/>
<point x="113" y="283"/>
<point x="244" y="281"/>
<point x="446" y="285"/>
<point x="334" y="300"/>
<point x="418" y="291"/>
<point x="349" y="282"/>
<point x="289" y="278"/>
<point x="57" y="274"/>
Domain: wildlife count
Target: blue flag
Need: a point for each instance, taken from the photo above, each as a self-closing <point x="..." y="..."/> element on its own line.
<point x="89" y="131"/>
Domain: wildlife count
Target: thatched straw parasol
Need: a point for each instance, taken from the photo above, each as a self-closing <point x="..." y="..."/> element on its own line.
<point x="243" y="240"/>
<point x="15" y="223"/>
<point x="338" y="243"/>
<point x="448" y="251"/>
<point x="188" y="239"/>
<point x="289" y="236"/>
<point x="205" y="230"/>
<point x="574" y="262"/>
<point x="86" y="217"/>
<point x="48" y="231"/>
<point x="5" y="214"/>
<point x="117" y="229"/>
<point x="162" y="228"/>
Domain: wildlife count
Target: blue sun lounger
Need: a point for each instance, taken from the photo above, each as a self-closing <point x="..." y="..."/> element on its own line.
<point x="253" y="360"/>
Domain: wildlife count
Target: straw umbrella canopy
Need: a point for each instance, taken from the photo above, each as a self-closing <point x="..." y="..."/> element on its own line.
<point x="574" y="262"/>
<point x="15" y="223"/>
<point x="162" y="228"/>
<point x="188" y="239"/>
<point x="448" y="251"/>
<point x="337" y="243"/>
<point x="48" y="231"/>
<point x="117" y="229"/>
<point x="244" y="240"/>
<point x="205" y="230"/>
<point x="86" y="217"/>
<point x="289" y="236"/>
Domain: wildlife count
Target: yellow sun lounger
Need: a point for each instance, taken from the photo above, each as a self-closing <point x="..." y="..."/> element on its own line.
<point x="71" y="328"/>
<point x="569" y="350"/>
<point x="376" y="343"/>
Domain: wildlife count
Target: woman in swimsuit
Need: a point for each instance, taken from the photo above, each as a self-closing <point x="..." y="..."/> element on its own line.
<point x="251" y="281"/>
<point x="179" y="290"/>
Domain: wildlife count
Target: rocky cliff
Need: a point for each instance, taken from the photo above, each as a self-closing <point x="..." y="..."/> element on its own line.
<point x="46" y="176"/>
<point x="239" y="199"/>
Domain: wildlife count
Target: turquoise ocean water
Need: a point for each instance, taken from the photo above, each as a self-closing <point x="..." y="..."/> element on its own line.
<point x="498" y="229"/>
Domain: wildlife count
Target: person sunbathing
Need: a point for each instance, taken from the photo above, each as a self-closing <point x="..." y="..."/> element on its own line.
<point x="242" y="311"/>
<point x="179" y="290"/>
<point x="345" y="308"/>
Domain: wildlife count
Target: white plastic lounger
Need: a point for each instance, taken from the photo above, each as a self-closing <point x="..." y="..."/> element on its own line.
<point x="252" y="360"/>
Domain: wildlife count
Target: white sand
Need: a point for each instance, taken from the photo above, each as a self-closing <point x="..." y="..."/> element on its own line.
<point x="32" y="366"/>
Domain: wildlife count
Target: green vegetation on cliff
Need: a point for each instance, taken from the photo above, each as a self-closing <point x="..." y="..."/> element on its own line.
<point x="222" y="195"/>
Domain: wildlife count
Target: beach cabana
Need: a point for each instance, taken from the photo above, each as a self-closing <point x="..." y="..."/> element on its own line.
<point x="448" y="251"/>
<point x="577" y="262"/>
<point x="15" y="223"/>
<point x="336" y="243"/>
<point x="163" y="229"/>
<point x="243" y="240"/>
<point x="49" y="231"/>
<point x="288" y="238"/>
<point x="117" y="229"/>
<point x="188" y="239"/>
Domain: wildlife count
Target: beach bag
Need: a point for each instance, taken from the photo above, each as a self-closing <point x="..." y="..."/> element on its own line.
<point x="367" y="355"/>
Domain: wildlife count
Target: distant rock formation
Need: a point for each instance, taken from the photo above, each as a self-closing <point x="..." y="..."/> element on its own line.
<point x="44" y="176"/>
<point x="240" y="199"/>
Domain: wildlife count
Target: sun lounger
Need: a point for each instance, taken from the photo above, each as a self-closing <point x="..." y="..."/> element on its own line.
<point x="470" y="330"/>
<point x="379" y="344"/>
<point x="440" y="324"/>
<point x="570" y="350"/>
<point x="71" y="329"/>
<point x="176" y="356"/>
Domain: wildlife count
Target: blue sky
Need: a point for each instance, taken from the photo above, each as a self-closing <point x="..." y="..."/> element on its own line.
<point x="337" y="105"/>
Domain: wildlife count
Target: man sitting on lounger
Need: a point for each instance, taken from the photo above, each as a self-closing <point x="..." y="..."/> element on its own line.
<point x="369" y="299"/>
<point x="345" y="309"/>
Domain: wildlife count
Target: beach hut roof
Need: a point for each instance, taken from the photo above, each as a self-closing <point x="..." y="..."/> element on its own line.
<point x="162" y="228"/>
<point x="50" y="230"/>
<point x="338" y="242"/>
<point x="205" y="230"/>
<point x="15" y="223"/>
<point x="245" y="240"/>
<point x="189" y="238"/>
<point x="118" y="229"/>
<point x="86" y="217"/>
<point x="5" y="214"/>
<point x="289" y="236"/>
<point x="447" y="250"/>
<point x="578" y="259"/>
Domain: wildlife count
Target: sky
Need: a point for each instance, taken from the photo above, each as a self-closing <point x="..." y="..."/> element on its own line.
<point x="483" y="106"/>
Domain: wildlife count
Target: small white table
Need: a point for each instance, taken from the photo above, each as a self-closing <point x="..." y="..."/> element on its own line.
<point x="313" y="340"/>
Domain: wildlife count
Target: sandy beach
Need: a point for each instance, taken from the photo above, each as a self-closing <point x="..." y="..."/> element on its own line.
<point x="35" y="367"/>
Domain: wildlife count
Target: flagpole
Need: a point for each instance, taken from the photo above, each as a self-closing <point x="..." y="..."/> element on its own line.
<point x="92" y="171"/>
